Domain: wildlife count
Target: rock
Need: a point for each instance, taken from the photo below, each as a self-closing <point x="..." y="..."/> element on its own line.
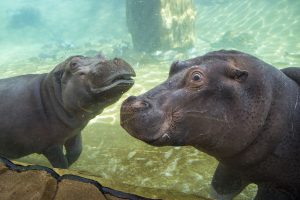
<point x="27" y="185"/>
<point x="35" y="182"/>
<point x="70" y="189"/>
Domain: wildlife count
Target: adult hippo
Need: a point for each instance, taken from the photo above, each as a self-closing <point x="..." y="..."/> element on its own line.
<point x="235" y="107"/>
<point x="42" y="113"/>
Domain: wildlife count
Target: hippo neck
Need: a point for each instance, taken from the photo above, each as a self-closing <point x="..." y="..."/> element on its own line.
<point x="279" y="125"/>
<point x="51" y="92"/>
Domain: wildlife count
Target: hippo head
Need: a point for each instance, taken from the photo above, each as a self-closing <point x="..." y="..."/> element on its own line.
<point x="91" y="83"/>
<point x="217" y="103"/>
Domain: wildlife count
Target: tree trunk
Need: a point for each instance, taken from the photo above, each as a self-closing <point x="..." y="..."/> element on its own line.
<point x="161" y="24"/>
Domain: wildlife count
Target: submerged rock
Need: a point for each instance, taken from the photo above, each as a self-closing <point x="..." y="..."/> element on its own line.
<point x="232" y="39"/>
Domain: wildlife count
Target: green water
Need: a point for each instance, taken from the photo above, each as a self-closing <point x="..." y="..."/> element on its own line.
<point x="268" y="29"/>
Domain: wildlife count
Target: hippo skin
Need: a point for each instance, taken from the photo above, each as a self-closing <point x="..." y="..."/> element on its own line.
<point x="235" y="107"/>
<point x="45" y="113"/>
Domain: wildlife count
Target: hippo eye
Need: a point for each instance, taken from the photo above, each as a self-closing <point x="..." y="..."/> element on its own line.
<point x="195" y="79"/>
<point x="73" y="64"/>
<point x="196" y="76"/>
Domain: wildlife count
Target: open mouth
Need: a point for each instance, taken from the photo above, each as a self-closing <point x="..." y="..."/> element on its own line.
<point x="121" y="80"/>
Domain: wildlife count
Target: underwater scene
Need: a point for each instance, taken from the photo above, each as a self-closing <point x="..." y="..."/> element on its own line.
<point x="35" y="36"/>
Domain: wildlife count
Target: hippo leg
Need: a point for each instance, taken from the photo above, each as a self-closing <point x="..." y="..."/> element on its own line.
<point x="226" y="183"/>
<point x="73" y="148"/>
<point x="272" y="193"/>
<point x="56" y="156"/>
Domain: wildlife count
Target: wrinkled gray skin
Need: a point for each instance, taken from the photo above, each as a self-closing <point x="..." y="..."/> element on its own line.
<point x="42" y="113"/>
<point x="235" y="107"/>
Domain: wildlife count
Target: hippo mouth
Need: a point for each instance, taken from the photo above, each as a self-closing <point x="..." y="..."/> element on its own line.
<point x="162" y="140"/>
<point x="154" y="137"/>
<point x="149" y="125"/>
<point x="121" y="80"/>
<point x="157" y="136"/>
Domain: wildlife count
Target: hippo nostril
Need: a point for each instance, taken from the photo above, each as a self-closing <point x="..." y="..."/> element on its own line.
<point x="139" y="105"/>
<point x="133" y="104"/>
<point x="145" y="104"/>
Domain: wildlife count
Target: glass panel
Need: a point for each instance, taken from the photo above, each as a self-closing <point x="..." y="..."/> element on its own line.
<point x="35" y="36"/>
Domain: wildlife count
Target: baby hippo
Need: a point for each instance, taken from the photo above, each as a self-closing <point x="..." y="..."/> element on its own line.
<point x="42" y="113"/>
<point x="235" y="107"/>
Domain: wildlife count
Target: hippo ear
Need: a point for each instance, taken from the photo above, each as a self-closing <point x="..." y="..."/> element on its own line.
<point x="58" y="76"/>
<point x="177" y="66"/>
<point x="58" y="72"/>
<point x="238" y="74"/>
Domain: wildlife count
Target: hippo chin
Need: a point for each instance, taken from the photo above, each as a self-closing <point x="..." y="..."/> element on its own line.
<point x="42" y="113"/>
<point x="235" y="107"/>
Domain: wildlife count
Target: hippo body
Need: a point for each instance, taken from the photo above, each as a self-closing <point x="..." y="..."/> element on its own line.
<point x="235" y="107"/>
<point x="42" y="113"/>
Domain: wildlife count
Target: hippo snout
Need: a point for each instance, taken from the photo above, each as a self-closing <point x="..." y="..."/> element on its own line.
<point x="132" y="107"/>
<point x="135" y="104"/>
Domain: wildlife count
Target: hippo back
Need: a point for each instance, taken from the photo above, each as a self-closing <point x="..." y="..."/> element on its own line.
<point x="21" y="104"/>
<point x="293" y="73"/>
